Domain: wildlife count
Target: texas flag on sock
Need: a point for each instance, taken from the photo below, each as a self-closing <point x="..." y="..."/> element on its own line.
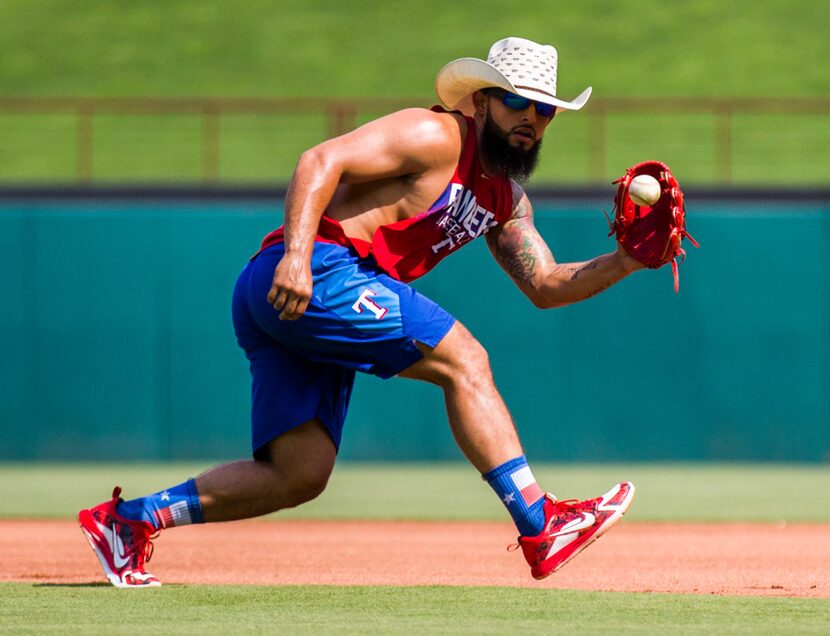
<point x="176" y="515"/>
<point x="526" y="484"/>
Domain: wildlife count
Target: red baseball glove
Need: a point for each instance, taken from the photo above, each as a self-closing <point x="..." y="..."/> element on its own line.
<point x="651" y="234"/>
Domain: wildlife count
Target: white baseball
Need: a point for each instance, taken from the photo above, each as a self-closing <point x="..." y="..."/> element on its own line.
<point x="644" y="190"/>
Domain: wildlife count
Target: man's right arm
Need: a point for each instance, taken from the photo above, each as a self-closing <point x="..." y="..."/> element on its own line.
<point x="309" y="192"/>
<point x="404" y="143"/>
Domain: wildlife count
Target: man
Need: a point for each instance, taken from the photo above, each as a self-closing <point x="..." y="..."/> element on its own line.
<point x="327" y="295"/>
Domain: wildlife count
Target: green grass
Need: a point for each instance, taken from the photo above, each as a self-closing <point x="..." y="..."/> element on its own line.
<point x="34" y="609"/>
<point x="360" y="48"/>
<point x="670" y="492"/>
<point x="441" y="491"/>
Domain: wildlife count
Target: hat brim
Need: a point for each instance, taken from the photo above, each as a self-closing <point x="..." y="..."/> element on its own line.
<point x="458" y="80"/>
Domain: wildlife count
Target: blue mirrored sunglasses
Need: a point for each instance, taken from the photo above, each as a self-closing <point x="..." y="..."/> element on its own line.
<point x="517" y="102"/>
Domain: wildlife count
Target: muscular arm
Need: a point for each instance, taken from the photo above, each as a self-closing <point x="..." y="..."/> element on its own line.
<point x="525" y="256"/>
<point x="408" y="142"/>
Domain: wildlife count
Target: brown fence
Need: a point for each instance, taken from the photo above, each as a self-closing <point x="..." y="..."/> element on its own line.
<point x="341" y="115"/>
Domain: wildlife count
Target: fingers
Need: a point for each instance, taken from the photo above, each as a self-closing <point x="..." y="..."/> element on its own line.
<point x="277" y="296"/>
<point x="296" y="311"/>
<point x="290" y="290"/>
<point x="289" y="310"/>
<point x="291" y="305"/>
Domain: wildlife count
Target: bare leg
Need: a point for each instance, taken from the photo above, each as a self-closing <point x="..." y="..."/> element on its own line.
<point x="479" y="419"/>
<point x="301" y="460"/>
<point x="299" y="465"/>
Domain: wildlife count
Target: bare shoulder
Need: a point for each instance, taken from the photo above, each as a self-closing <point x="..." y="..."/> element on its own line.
<point x="427" y="122"/>
<point x="436" y="137"/>
<point x="521" y="203"/>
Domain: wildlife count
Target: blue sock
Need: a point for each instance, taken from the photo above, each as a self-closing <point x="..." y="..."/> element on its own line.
<point x="516" y="486"/>
<point x="177" y="506"/>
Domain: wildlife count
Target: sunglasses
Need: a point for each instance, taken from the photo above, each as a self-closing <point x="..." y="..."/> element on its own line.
<point x="517" y="102"/>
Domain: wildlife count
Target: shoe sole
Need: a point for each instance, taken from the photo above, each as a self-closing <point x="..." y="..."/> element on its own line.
<point x="605" y="527"/>
<point x="114" y="579"/>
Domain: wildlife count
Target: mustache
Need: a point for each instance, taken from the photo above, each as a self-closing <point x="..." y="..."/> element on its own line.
<point x="523" y="128"/>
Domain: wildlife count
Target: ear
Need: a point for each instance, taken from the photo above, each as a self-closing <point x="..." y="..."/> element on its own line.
<point x="480" y="103"/>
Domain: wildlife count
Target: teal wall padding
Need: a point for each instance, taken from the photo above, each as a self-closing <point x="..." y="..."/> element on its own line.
<point x="117" y="340"/>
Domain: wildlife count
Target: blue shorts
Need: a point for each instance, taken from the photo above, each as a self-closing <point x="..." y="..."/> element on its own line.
<point x="359" y="319"/>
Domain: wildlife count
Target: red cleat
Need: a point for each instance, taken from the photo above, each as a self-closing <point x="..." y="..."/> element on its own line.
<point x="571" y="526"/>
<point x="122" y="546"/>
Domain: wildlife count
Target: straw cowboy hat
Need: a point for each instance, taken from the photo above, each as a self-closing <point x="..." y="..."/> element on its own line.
<point x="514" y="64"/>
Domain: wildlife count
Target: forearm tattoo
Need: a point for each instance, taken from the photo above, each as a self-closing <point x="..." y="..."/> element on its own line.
<point x="573" y="271"/>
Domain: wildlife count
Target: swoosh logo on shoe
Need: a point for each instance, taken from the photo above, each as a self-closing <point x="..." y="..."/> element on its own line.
<point x="569" y="533"/>
<point x="575" y="525"/>
<point x="116" y="545"/>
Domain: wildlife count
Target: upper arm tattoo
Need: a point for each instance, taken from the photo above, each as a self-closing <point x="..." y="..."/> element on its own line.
<point x="518" y="247"/>
<point x="515" y="250"/>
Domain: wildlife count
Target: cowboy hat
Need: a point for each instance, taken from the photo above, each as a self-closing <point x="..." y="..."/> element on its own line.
<point x="514" y="64"/>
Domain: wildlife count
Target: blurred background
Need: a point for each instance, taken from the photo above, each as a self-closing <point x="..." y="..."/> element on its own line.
<point x="173" y="92"/>
<point x="144" y="152"/>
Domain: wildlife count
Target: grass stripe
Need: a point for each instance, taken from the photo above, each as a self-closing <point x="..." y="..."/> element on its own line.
<point x="47" y="609"/>
<point x="665" y="492"/>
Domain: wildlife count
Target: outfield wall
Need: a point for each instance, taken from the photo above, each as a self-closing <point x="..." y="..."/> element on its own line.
<point x="117" y="341"/>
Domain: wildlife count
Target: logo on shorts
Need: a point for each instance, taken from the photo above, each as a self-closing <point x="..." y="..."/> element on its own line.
<point x="365" y="302"/>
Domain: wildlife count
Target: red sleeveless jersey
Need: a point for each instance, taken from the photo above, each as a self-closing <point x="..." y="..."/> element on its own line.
<point x="470" y="205"/>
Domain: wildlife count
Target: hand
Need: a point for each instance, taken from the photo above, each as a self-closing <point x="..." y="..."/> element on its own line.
<point x="291" y="290"/>
<point x="629" y="263"/>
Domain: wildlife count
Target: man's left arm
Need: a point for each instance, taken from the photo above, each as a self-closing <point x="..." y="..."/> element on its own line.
<point x="524" y="255"/>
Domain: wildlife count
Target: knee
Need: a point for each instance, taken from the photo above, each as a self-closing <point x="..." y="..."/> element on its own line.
<point x="305" y="484"/>
<point x="300" y="461"/>
<point x="473" y="360"/>
<point x="466" y="363"/>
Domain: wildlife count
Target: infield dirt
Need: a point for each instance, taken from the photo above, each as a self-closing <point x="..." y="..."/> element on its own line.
<point x="729" y="559"/>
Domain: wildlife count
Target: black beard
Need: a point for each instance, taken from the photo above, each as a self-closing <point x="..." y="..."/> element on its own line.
<point x="499" y="156"/>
